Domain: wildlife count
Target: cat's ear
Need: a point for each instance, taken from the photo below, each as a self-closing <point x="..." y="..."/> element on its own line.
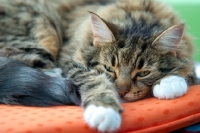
<point x="169" y="40"/>
<point x="101" y="33"/>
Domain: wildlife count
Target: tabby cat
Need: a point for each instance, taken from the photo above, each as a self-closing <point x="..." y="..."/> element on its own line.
<point x="107" y="51"/>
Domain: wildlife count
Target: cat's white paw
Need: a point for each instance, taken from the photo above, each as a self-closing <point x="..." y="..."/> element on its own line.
<point x="55" y="72"/>
<point x="104" y="119"/>
<point x="170" y="87"/>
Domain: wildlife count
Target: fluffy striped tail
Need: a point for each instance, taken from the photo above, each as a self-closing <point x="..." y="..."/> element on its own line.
<point x="23" y="85"/>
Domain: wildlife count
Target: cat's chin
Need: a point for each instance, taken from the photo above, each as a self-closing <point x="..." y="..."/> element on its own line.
<point x="122" y="100"/>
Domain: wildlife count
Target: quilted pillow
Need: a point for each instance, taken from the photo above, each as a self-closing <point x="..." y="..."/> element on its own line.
<point x="148" y="115"/>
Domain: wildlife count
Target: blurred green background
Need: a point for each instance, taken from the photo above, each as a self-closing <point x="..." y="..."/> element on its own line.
<point x="189" y="11"/>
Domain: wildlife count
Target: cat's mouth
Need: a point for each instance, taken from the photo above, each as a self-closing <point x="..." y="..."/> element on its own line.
<point x="133" y="95"/>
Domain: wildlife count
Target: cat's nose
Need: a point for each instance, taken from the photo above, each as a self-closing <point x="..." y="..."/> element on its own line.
<point x="122" y="92"/>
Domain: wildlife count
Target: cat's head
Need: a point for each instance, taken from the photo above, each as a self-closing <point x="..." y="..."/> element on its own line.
<point x="135" y="62"/>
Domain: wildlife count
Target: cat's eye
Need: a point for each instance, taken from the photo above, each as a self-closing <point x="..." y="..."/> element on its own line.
<point x="109" y="69"/>
<point x="143" y="73"/>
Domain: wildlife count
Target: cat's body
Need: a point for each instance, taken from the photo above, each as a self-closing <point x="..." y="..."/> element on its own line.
<point x="122" y="49"/>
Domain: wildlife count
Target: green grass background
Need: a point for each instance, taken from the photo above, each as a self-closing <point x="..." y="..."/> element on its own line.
<point x="189" y="11"/>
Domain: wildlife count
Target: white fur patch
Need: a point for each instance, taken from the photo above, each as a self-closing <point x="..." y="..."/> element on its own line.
<point x="170" y="88"/>
<point x="55" y="72"/>
<point x="104" y="119"/>
<point x="197" y="70"/>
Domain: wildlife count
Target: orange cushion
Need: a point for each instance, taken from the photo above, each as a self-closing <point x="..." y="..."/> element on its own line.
<point x="148" y="115"/>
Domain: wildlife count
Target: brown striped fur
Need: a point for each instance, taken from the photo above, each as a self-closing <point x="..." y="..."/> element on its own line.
<point x="63" y="30"/>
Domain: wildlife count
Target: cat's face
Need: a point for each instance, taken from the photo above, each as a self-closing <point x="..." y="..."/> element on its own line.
<point x="136" y="64"/>
<point x="130" y="69"/>
<point x="133" y="69"/>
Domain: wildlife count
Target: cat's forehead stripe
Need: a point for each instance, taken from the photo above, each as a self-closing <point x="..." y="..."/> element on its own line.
<point x="140" y="64"/>
<point x="113" y="60"/>
<point x="139" y="28"/>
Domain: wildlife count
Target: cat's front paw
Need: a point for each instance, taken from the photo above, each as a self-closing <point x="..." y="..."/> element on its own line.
<point x="170" y="87"/>
<point x="102" y="118"/>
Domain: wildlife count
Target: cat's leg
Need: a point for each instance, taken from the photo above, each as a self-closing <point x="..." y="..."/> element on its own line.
<point x="48" y="32"/>
<point x="23" y="85"/>
<point x="99" y="97"/>
<point x="102" y="109"/>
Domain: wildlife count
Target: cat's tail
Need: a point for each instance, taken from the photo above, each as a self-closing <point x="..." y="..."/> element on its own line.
<point x="23" y="85"/>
